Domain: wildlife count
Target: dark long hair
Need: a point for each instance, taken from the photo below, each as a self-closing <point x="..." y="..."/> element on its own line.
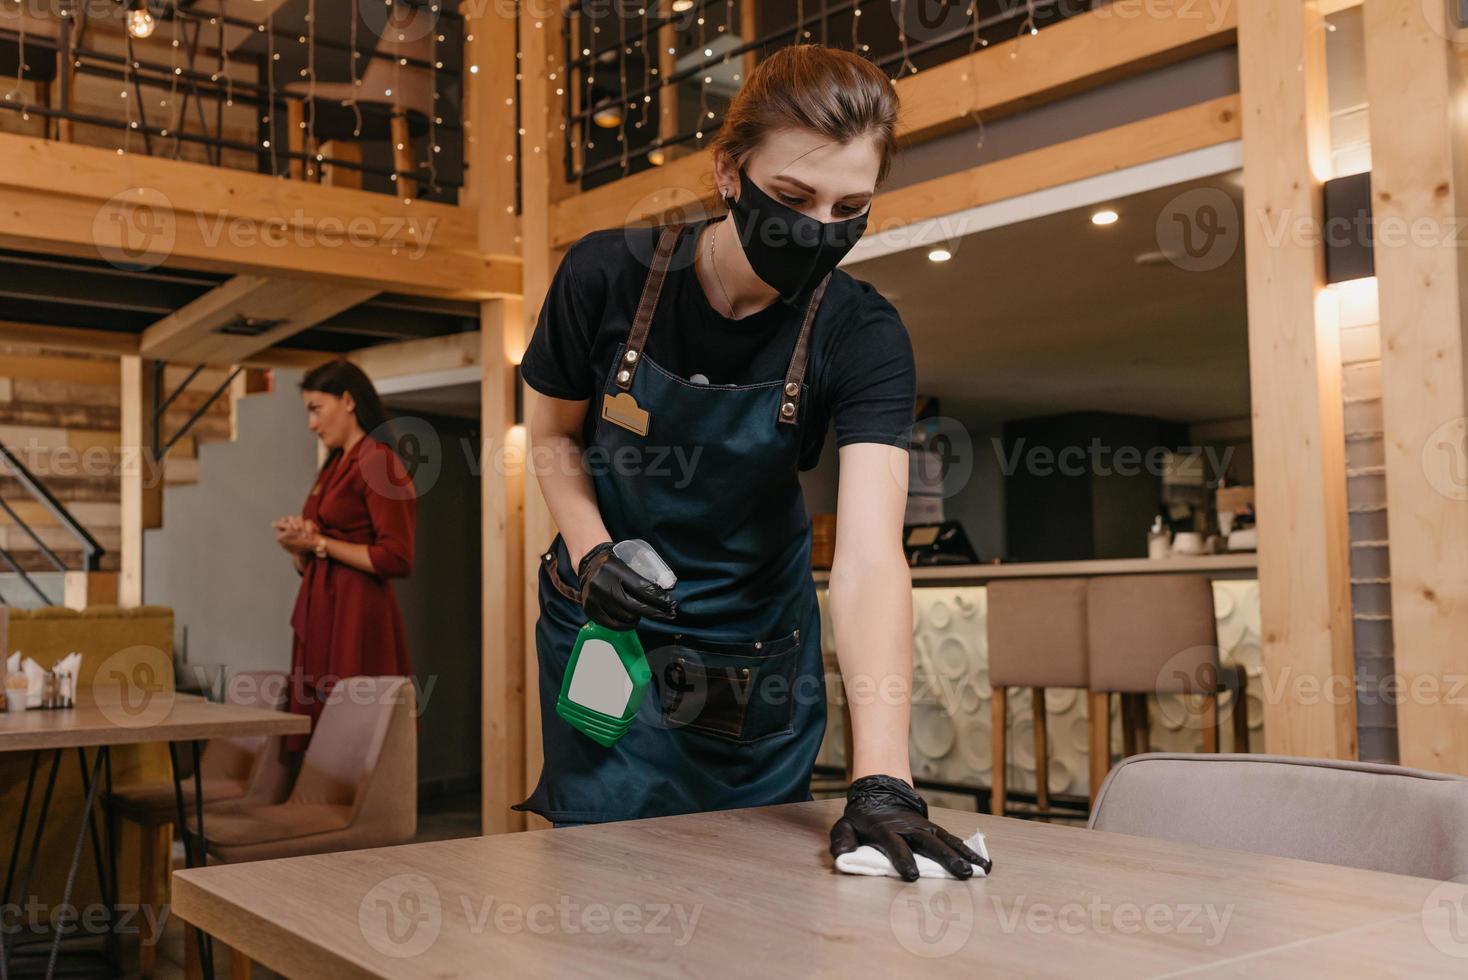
<point x="339" y="376"/>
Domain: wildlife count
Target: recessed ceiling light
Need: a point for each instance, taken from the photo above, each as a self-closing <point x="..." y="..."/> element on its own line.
<point x="939" y="255"/>
<point x="1107" y="217"/>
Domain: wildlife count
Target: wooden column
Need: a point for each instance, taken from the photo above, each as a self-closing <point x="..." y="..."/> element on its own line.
<point x="1419" y="184"/>
<point x="490" y="191"/>
<point x="501" y="330"/>
<point x="1295" y="367"/>
<point x="141" y="479"/>
<point x="542" y="184"/>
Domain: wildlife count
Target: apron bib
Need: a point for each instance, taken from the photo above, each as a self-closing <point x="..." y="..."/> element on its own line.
<point x="708" y="475"/>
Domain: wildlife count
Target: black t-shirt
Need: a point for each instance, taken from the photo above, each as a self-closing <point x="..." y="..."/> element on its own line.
<point x="860" y="371"/>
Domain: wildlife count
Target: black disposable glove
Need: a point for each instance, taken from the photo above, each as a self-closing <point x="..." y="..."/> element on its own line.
<point x="888" y="814"/>
<point x="615" y="596"/>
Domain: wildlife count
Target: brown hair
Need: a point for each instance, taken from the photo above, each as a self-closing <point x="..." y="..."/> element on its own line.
<point x="835" y="93"/>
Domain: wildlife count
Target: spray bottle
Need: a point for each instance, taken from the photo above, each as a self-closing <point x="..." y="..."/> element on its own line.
<point x="608" y="674"/>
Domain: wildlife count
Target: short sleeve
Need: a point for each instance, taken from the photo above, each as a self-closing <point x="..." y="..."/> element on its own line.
<point x="557" y="361"/>
<point x="874" y="378"/>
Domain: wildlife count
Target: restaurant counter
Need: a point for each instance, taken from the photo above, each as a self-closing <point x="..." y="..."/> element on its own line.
<point x="952" y="699"/>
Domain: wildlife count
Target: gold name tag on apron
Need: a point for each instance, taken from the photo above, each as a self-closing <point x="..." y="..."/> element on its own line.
<point x="622" y="409"/>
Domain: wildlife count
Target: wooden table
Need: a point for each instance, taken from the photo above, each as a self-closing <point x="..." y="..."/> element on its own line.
<point x="101" y="720"/>
<point x="752" y="893"/>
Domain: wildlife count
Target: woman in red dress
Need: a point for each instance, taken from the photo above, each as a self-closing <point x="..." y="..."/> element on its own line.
<point x="353" y="534"/>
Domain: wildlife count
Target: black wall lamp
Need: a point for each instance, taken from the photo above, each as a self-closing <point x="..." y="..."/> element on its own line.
<point x="1349" y="229"/>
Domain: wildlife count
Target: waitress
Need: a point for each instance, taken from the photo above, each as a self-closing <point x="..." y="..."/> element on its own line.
<point x="690" y="372"/>
<point x="354" y="533"/>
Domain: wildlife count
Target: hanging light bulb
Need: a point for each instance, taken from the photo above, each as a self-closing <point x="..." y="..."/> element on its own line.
<point x="682" y="6"/>
<point x="608" y="116"/>
<point x="140" y="22"/>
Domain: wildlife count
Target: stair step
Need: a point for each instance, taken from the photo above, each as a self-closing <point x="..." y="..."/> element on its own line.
<point x="68" y="489"/>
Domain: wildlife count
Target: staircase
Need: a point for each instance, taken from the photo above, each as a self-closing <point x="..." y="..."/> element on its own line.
<point x="60" y="416"/>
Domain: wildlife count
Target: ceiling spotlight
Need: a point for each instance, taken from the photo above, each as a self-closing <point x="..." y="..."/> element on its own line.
<point x="939" y="255"/>
<point x="1107" y="217"/>
<point x="682" y="6"/>
<point x="140" y="22"/>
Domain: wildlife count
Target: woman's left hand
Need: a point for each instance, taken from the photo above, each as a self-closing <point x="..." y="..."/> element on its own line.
<point x="296" y="534"/>
<point x="888" y="814"/>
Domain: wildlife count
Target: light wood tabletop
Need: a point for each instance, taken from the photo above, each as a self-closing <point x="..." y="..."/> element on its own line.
<point x="165" y="716"/>
<point x="753" y="893"/>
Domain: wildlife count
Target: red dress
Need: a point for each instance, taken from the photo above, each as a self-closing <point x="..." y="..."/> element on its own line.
<point x="347" y="622"/>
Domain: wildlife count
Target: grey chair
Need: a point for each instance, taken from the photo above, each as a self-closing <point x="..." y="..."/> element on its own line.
<point x="1037" y="639"/>
<point x="1356" y="814"/>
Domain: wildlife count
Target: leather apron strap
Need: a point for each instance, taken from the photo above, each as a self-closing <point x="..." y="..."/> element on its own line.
<point x="648" y="303"/>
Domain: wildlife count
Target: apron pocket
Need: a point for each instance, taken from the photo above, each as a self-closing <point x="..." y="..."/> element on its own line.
<point x="742" y="692"/>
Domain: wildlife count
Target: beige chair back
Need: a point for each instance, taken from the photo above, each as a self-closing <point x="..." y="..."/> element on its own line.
<point x="1356" y="814"/>
<point x="253" y="759"/>
<point x="364" y="753"/>
<point x="1152" y="633"/>
<point x="1037" y="632"/>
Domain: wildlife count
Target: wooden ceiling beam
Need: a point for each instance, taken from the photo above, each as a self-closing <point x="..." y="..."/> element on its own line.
<point x="197" y="332"/>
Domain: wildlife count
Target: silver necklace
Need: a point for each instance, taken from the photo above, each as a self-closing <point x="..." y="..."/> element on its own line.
<point x="718" y="278"/>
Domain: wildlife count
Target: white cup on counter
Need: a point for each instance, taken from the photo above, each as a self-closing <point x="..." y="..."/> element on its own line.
<point x="1188" y="543"/>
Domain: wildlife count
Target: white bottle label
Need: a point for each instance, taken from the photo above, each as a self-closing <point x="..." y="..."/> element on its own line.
<point x="600" y="682"/>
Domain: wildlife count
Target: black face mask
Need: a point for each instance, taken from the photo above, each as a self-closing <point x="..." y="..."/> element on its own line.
<point x="790" y="251"/>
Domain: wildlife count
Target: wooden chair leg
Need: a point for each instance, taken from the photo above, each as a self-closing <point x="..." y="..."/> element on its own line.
<point x="1141" y="718"/>
<point x="150" y="839"/>
<point x="1099" y="750"/>
<point x="1241" y="714"/>
<point x="1128" y="724"/>
<point x="1042" y="754"/>
<point x="1209" y="722"/>
<point x="193" y="962"/>
<point x="239" y="965"/>
<point x="997" y="740"/>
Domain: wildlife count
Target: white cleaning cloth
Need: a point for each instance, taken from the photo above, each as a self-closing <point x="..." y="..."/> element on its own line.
<point x="867" y="860"/>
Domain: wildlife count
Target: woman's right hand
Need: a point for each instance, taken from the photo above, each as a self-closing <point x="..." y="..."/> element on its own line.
<point x="615" y="596"/>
